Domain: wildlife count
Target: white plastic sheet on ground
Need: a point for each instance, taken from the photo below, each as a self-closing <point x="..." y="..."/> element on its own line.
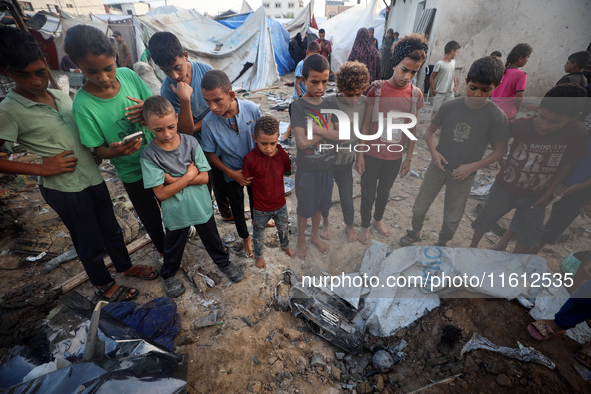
<point x="486" y="273"/>
<point x="210" y="42"/>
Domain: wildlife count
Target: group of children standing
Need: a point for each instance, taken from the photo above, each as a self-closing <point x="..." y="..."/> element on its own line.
<point x="166" y="173"/>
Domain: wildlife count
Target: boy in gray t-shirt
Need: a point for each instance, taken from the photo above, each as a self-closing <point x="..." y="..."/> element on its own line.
<point x="443" y="79"/>
<point x="468" y="125"/>
<point x="175" y="168"/>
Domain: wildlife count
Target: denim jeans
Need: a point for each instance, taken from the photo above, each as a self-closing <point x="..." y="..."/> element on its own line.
<point x="260" y="223"/>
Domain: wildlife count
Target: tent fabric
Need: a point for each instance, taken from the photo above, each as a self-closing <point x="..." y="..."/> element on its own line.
<point x="300" y="23"/>
<point x="342" y="29"/>
<point x="165" y="9"/>
<point x="245" y="8"/>
<point x="279" y="36"/>
<point x="245" y="54"/>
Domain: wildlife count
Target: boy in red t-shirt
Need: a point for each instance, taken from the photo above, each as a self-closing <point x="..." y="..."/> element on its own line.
<point x="266" y="164"/>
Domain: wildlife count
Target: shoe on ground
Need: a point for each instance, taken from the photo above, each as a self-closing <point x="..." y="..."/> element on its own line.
<point x="173" y="287"/>
<point x="233" y="272"/>
<point x="441" y="244"/>
<point x="410" y="238"/>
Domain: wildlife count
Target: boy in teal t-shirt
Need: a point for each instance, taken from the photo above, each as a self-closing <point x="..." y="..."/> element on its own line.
<point x="175" y="168"/>
<point x="107" y="109"/>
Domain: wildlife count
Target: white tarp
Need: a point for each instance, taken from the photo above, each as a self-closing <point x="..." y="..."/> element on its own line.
<point x="487" y="272"/>
<point x="342" y="29"/>
<point x="300" y="23"/>
<point x="232" y="51"/>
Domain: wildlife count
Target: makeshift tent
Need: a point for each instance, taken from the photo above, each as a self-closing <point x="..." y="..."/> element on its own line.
<point x="300" y="23"/>
<point x="245" y="8"/>
<point x="245" y="54"/>
<point x="279" y="36"/>
<point x="342" y="29"/>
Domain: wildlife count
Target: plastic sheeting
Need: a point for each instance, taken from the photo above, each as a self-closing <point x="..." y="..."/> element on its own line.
<point x="132" y="365"/>
<point x="393" y="303"/>
<point x="279" y="36"/>
<point x="245" y="54"/>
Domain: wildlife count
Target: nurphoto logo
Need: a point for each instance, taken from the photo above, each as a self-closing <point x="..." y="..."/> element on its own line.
<point x="389" y="131"/>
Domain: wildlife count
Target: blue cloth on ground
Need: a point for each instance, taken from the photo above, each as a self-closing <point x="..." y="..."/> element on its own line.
<point x="157" y="320"/>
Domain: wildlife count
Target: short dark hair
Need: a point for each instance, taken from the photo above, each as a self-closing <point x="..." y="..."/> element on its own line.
<point x="82" y="40"/>
<point x="321" y="31"/>
<point x="156" y="105"/>
<point x="214" y="79"/>
<point x="486" y="70"/>
<point x="580" y="58"/>
<point x="267" y="125"/>
<point x="451" y="46"/>
<point x="566" y="99"/>
<point x="315" y="62"/>
<point x="17" y="49"/>
<point x="496" y="53"/>
<point x="313" y="46"/>
<point x="164" y="48"/>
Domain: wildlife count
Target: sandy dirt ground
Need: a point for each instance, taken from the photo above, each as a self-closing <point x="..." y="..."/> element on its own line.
<point x="257" y="346"/>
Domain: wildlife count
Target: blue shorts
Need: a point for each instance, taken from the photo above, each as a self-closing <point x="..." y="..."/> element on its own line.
<point x="314" y="192"/>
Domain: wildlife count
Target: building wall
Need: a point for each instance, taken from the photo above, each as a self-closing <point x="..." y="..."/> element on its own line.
<point x="271" y="9"/>
<point x="482" y="26"/>
<point x="76" y="7"/>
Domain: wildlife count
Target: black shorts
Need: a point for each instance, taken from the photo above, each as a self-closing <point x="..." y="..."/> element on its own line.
<point x="314" y="192"/>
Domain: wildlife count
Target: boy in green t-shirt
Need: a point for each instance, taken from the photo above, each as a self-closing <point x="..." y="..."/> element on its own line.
<point x="175" y="168"/>
<point x="40" y="119"/>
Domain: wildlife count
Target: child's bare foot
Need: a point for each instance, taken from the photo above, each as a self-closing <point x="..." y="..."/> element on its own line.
<point x="260" y="263"/>
<point x="498" y="247"/>
<point x="351" y="234"/>
<point x="321" y="245"/>
<point x="301" y="250"/>
<point x="385" y="231"/>
<point x="289" y="251"/>
<point x="247" y="248"/>
<point x="363" y="235"/>
<point x="324" y="232"/>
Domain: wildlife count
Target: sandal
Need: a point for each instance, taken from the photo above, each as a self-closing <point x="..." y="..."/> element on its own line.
<point x="173" y="287"/>
<point x="144" y="272"/>
<point x="541" y="331"/>
<point x="123" y="293"/>
<point x="410" y="238"/>
<point x="585" y="352"/>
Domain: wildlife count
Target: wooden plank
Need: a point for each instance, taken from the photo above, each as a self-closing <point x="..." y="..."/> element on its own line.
<point x="83" y="276"/>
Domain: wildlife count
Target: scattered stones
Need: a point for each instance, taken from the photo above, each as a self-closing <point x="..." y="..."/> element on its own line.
<point x="317" y="360"/>
<point x="339" y="355"/>
<point x="383" y="361"/>
<point x="255" y="387"/>
<point x="336" y="373"/>
<point x="449" y="313"/>
<point x="380" y="382"/>
<point x="364" y="388"/>
<point x="504" y="381"/>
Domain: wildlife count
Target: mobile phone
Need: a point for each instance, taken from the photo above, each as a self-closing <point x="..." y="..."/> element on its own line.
<point x="132" y="137"/>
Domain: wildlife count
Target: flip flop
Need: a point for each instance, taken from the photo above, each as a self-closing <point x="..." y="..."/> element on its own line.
<point x="123" y="293"/>
<point x="586" y="351"/>
<point x="541" y="331"/>
<point x="144" y="272"/>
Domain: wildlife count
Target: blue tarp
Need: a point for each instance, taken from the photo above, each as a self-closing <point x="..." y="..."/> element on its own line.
<point x="279" y="36"/>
